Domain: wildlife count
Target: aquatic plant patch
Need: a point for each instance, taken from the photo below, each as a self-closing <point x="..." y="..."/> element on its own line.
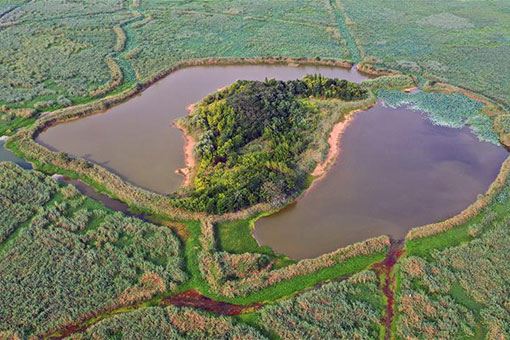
<point x="450" y="110"/>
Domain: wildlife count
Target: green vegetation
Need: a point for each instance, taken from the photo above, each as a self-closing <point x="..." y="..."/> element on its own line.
<point x="459" y="42"/>
<point x="252" y="140"/>
<point x="168" y="323"/>
<point x="74" y="257"/>
<point x="21" y="194"/>
<point x="250" y="277"/>
<point x="39" y="38"/>
<point x="9" y="123"/>
<point x="236" y="238"/>
<point x="350" y="309"/>
<point x="146" y="38"/>
<point x="65" y="259"/>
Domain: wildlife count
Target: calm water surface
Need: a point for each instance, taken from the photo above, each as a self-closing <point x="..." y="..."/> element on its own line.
<point x="8" y="156"/>
<point x="137" y="140"/>
<point x="396" y="170"/>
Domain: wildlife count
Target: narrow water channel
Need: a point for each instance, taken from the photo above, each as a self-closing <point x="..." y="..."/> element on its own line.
<point x="137" y="140"/>
<point x="396" y="170"/>
<point x="8" y="156"/>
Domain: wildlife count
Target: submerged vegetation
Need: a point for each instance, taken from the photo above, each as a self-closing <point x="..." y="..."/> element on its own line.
<point x="451" y="110"/>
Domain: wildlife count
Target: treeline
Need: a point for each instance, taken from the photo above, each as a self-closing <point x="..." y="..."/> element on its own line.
<point x="252" y="135"/>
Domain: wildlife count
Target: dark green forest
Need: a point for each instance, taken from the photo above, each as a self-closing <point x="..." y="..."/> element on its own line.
<point x="251" y="136"/>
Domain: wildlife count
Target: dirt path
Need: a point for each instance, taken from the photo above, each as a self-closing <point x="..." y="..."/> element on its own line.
<point x="384" y="268"/>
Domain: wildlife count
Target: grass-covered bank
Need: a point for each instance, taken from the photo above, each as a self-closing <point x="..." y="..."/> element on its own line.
<point x="98" y="179"/>
<point x="459" y="275"/>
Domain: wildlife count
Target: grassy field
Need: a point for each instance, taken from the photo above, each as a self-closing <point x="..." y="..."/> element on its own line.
<point x="236" y="237"/>
<point x="459" y="42"/>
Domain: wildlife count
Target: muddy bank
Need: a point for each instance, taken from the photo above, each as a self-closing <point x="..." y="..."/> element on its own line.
<point x="334" y="145"/>
<point x="189" y="158"/>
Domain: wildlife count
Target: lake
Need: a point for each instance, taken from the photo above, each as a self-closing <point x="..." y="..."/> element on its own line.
<point x="396" y="170"/>
<point x="137" y="139"/>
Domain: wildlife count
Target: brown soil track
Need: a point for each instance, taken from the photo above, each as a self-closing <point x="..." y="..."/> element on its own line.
<point x="334" y="145"/>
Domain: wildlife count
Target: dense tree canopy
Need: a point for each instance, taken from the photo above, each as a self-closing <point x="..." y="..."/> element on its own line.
<point x="251" y="138"/>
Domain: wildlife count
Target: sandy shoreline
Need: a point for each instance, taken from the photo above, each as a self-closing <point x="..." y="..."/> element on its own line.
<point x="189" y="159"/>
<point x="334" y="146"/>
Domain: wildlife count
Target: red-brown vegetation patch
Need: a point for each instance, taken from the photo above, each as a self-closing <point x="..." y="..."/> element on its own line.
<point x="385" y="268"/>
<point x="192" y="298"/>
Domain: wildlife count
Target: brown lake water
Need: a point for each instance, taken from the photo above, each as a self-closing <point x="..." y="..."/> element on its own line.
<point x="137" y="139"/>
<point x="396" y="170"/>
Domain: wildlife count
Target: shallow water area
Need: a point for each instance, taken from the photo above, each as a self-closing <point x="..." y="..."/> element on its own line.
<point x="395" y="170"/>
<point x="8" y="156"/>
<point x="137" y="139"/>
<point x="88" y="191"/>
